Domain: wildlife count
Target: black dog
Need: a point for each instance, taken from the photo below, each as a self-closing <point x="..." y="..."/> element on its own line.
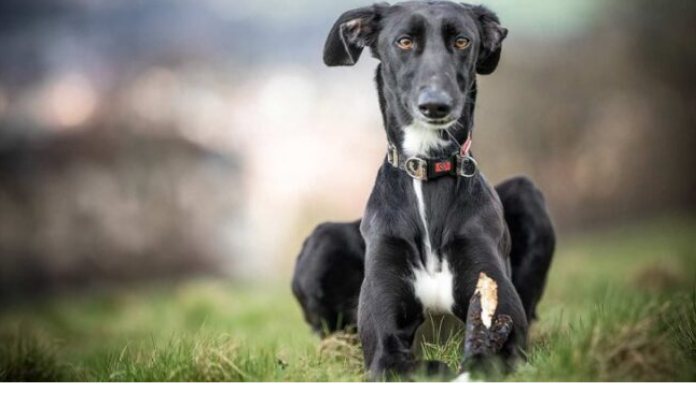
<point x="329" y="272"/>
<point x="433" y="224"/>
<point x="331" y="266"/>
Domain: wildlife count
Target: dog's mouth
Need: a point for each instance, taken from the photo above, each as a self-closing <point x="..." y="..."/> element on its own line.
<point x="435" y="124"/>
<point x="430" y="123"/>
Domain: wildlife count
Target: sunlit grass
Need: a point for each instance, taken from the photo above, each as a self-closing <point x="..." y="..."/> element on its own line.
<point x="619" y="306"/>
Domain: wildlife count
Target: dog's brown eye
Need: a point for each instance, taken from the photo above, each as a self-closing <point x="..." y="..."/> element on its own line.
<point x="405" y="43"/>
<point x="461" y="43"/>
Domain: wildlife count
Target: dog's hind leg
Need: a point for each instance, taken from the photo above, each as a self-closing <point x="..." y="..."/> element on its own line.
<point x="328" y="275"/>
<point x="533" y="239"/>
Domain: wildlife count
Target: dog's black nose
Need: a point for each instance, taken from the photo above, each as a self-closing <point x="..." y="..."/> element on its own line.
<point x="434" y="104"/>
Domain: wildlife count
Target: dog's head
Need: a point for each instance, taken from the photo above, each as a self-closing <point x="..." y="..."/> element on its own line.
<point x="430" y="53"/>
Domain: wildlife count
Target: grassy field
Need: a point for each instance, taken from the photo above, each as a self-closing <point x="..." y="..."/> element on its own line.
<point x="619" y="306"/>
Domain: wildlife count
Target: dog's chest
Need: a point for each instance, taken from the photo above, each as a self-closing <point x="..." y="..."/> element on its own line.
<point x="433" y="279"/>
<point x="435" y="290"/>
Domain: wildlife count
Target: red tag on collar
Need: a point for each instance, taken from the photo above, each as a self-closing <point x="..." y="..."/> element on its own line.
<point x="443" y="166"/>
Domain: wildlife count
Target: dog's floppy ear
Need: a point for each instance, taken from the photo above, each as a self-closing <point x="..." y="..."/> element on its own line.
<point x="353" y="31"/>
<point x="492" y="36"/>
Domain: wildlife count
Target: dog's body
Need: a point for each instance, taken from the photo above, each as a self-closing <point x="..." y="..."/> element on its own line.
<point x="331" y="266"/>
<point x="329" y="272"/>
<point x="428" y="241"/>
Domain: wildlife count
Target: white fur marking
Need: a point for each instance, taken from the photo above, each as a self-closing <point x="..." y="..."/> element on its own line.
<point x="420" y="140"/>
<point x="431" y="262"/>
<point x="434" y="283"/>
<point x="435" y="289"/>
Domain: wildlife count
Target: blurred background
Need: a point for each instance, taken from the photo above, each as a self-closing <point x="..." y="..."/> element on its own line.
<point x="162" y="139"/>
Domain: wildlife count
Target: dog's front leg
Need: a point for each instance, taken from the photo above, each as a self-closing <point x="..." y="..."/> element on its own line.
<point x="474" y="261"/>
<point x="388" y="312"/>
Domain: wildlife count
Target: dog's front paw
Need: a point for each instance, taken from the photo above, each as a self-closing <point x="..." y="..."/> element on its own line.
<point x="486" y="331"/>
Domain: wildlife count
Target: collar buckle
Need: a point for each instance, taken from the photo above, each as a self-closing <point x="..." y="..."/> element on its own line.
<point x="417" y="168"/>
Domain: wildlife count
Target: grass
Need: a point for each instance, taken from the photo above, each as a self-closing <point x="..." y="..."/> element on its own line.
<point x="620" y="306"/>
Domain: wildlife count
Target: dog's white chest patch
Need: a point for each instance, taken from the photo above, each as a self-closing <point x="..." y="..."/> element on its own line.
<point x="435" y="290"/>
<point x="433" y="282"/>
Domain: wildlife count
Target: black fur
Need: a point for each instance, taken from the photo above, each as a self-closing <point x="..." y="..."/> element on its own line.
<point x="328" y="275"/>
<point x="533" y="239"/>
<point x="334" y="254"/>
<point x="465" y="217"/>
